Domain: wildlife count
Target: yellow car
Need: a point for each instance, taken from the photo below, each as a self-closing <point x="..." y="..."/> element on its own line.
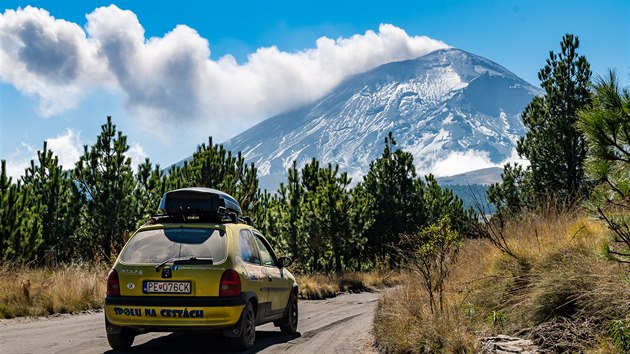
<point x="199" y="266"/>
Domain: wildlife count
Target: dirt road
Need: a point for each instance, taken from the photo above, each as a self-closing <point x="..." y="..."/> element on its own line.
<point x="338" y="325"/>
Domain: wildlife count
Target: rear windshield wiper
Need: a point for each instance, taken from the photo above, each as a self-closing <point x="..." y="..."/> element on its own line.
<point x="157" y="267"/>
<point x="184" y="260"/>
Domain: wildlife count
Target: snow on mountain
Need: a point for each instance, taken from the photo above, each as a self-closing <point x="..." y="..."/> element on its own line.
<point x="448" y="101"/>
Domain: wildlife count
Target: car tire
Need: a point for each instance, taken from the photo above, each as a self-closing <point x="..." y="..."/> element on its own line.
<point x="120" y="341"/>
<point x="247" y="335"/>
<point x="288" y="325"/>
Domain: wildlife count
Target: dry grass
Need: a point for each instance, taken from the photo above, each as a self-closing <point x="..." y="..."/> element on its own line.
<point x="321" y="286"/>
<point x="560" y="287"/>
<point x="560" y="273"/>
<point x="27" y="291"/>
<point x="317" y="286"/>
<point x="404" y="324"/>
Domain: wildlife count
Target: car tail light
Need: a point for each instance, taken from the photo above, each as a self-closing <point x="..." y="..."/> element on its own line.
<point x="113" y="285"/>
<point x="230" y="283"/>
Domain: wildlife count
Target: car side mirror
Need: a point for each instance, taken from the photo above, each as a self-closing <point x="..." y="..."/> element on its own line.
<point x="284" y="261"/>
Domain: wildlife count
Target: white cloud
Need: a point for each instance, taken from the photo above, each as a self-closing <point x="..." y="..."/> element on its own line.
<point x="19" y="160"/>
<point x="49" y="58"/>
<point x="470" y="160"/>
<point x="68" y="147"/>
<point x="137" y="155"/>
<point x="459" y="162"/>
<point x="173" y="78"/>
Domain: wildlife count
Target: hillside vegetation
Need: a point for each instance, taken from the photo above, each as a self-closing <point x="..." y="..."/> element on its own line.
<point x="560" y="291"/>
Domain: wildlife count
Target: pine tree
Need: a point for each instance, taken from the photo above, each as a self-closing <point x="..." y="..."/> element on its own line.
<point x="362" y="217"/>
<point x="325" y="225"/>
<point x="333" y="205"/>
<point x="312" y="225"/>
<point x="263" y="217"/>
<point x="62" y="203"/>
<point x="20" y="220"/>
<point x="510" y="196"/>
<point x="440" y="203"/>
<point x="105" y="177"/>
<point x="606" y="126"/>
<point x="290" y="211"/>
<point x="397" y="203"/>
<point x="554" y="145"/>
<point x="319" y="219"/>
<point x="150" y="186"/>
<point x="179" y="177"/>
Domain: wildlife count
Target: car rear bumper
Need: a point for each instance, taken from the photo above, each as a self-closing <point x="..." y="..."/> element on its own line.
<point x="173" y="312"/>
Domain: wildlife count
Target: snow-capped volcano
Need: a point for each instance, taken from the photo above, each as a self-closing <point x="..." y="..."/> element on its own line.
<point x="444" y="102"/>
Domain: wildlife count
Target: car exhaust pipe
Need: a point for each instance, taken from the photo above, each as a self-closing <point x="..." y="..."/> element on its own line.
<point x="233" y="331"/>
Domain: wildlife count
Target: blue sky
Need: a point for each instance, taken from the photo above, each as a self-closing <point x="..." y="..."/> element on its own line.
<point x="210" y="77"/>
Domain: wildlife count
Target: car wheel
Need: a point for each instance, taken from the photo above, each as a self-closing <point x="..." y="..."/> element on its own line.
<point x="120" y="341"/>
<point x="288" y="325"/>
<point x="247" y="335"/>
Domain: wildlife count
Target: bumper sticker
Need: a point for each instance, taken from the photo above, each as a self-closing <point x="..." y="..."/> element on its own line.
<point x="163" y="313"/>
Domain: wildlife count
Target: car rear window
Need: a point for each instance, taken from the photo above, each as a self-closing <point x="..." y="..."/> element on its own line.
<point x="157" y="246"/>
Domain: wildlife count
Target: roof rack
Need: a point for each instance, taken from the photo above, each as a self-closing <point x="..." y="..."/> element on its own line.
<point x="195" y="217"/>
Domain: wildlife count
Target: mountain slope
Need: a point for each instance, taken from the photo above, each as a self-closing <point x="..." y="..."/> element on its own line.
<point x="484" y="176"/>
<point x="448" y="101"/>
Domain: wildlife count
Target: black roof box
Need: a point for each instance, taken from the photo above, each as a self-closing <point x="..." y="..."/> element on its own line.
<point x="198" y="200"/>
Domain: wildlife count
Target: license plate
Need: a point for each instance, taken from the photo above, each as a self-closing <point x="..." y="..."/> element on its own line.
<point x="167" y="287"/>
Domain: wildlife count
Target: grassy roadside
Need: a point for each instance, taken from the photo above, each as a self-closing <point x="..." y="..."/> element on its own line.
<point x="28" y="291"/>
<point x="562" y="294"/>
<point x="321" y="286"/>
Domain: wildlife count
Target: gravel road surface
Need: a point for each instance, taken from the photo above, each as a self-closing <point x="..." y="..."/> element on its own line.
<point x="338" y="325"/>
